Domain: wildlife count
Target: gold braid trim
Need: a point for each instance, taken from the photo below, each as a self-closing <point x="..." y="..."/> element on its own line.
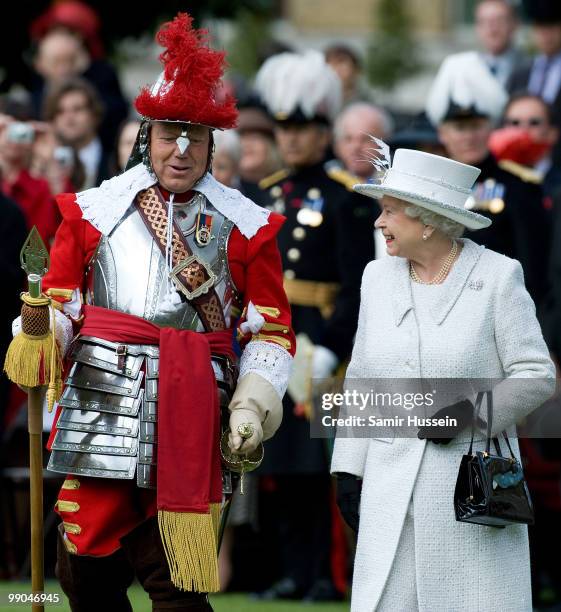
<point x="67" y="506"/>
<point x="286" y="344"/>
<point x="71" y="483"/>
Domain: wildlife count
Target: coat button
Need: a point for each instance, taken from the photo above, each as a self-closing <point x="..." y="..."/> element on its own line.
<point x="293" y="254"/>
<point x="289" y="274"/>
<point x="298" y="233"/>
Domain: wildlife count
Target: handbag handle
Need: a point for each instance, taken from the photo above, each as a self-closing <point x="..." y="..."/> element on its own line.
<point x="477" y="410"/>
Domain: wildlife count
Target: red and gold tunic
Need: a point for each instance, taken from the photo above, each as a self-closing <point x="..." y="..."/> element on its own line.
<point x="97" y="512"/>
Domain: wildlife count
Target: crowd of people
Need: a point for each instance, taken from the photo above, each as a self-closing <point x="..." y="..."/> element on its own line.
<point x="304" y="137"/>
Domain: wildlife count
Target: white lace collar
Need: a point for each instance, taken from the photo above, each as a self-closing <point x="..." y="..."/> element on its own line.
<point x="104" y="206"/>
<point x="247" y="216"/>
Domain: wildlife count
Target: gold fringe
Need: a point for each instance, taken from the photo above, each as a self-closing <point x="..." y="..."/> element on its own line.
<point x="27" y="353"/>
<point x="55" y="383"/>
<point x="24" y="356"/>
<point x="215" y="510"/>
<point x="190" y="544"/>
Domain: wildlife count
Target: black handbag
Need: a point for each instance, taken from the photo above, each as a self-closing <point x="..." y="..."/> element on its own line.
<point x="491" y="489"/>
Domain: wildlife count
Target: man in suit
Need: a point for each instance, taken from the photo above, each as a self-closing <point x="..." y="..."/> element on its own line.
<point x="532" y="117"/>
<point x="542" y="76"/>
<point x="352" y="131"/>
<point x="496" y="23"/>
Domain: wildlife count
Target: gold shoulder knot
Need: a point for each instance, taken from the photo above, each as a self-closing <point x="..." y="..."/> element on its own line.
<point x="270" y="180"/>
<point x="344" y="177"/>
<point x="527" y="174"/>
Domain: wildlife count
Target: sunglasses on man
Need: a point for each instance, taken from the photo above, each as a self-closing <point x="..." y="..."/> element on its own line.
<point x="532" y="122"/>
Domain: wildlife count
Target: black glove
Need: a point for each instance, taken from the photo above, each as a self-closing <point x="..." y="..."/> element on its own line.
<point x="461" y="411"/>
<point x="348" y="498"/>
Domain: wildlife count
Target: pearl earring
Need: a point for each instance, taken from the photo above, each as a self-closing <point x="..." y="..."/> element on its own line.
<point x="425" y="237"/>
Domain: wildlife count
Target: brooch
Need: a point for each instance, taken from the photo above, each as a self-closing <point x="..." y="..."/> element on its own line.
<point x="476" y="285"/>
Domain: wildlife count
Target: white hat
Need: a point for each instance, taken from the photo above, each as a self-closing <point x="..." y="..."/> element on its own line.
<point x="299" y="87"/>
<point x="430" y="181"/>
<point x="464" y="86"/>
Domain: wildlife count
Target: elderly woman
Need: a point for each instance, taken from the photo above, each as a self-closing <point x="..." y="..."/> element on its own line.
<point x="439" y="307"/>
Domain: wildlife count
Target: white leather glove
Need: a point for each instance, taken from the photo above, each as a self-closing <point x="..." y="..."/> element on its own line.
<point x="255" y="401"/>
<point x="324" y="362"/>
<point x="237" y="444"/>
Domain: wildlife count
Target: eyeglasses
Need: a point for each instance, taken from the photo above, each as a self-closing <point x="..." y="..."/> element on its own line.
<point x="532" y="122"/>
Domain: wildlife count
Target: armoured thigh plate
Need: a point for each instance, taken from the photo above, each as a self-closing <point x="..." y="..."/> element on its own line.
<point x="108" y="424"/>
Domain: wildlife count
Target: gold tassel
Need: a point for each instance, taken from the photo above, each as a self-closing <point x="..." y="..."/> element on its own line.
<point x="190" y="544"/>
<point x="26" y="354"/>
<point x="34" y="358"/>
<point x="55" y="383"/>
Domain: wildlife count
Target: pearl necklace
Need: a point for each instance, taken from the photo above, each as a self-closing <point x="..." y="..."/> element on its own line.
<point x="442" y="272"/>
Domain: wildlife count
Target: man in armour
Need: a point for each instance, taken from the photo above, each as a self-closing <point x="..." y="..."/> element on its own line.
<point x="172" y="266"/>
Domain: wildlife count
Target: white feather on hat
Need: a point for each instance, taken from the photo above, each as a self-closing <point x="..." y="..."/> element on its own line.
<point x="289" y="81"/>
<point x="465" y="80"/>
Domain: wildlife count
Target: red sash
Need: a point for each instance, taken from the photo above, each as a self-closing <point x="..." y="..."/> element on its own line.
<point x="189" y="476"/>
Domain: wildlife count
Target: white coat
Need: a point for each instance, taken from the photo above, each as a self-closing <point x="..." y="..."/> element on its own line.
<point x="483" y="326"/>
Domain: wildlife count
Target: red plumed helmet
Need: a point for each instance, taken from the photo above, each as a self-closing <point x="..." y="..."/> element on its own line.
<point x="190" y="87"/>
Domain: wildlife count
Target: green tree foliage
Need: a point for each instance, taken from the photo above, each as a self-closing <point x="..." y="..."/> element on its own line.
<point x="252" y="32"/>
<point x="392" y="53"/>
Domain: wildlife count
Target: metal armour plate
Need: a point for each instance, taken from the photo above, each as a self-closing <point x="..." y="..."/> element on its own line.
<point x="147" y="432"/>
<point x="106" y="359"/>
<point x="147" y="453"/>
<point x="97" y="466"/>
<point x="98" y="422"/>
<point x="83" y="442"/>
<point x="149" y="411"/>
<point x="152" y="367"/>
<point x="83" y="399"/>
<point x="146" y="476"/>
<point x="86" y="377"/>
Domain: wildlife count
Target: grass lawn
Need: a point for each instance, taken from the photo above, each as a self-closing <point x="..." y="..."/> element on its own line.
<point x="221" y="603"/>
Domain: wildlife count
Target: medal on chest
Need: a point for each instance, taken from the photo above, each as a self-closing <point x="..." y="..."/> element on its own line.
<point x="487" y="196"/>
<point x="203" y="228"/>
<point x="310" y="214"/>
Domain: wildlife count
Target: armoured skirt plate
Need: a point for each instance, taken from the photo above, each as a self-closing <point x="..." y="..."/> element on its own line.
<point x="109" y="419"/>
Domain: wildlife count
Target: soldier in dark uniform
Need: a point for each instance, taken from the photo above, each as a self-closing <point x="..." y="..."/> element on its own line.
<point x="325" y="244"/>
<point x="464" y="102"/>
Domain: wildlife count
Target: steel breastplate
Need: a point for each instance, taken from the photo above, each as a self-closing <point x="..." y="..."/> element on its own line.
<point x="129" y="272"/>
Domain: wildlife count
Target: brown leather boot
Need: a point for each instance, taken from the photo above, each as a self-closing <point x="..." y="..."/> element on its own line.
<point x="94" y="583"/>
<point x="145" y="552"/>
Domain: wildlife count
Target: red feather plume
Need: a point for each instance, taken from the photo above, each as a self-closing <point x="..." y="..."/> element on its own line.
<point x="192" y="71"/>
